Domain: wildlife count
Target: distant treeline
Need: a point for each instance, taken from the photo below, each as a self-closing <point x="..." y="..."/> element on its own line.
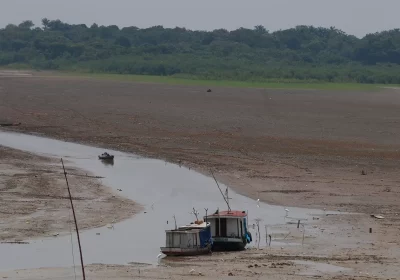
<point x="304" y="53"/>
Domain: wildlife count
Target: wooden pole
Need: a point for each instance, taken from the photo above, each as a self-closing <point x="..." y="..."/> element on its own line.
<point x="225" y="198"/>
<point x="195" y="214"/>
<point x="175" y="222"/>
<point x="247" y="219"/>
<point x="266" y="235"/>
<point x="76" y="223"/>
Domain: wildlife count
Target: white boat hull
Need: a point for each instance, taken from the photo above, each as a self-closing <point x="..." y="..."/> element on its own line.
<point x="185" y="251"/>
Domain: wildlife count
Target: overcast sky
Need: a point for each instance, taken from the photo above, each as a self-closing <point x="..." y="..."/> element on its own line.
<point x="357" y="17"/>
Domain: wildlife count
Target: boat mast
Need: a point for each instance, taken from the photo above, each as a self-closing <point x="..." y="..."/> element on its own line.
<point x="226" y="198"/>
<point x="76" y="223"/>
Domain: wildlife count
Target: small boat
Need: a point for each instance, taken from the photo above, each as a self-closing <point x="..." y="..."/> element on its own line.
<point x="106" y="156"/>
<point x="229" y="230"/>
<point x="190" y="240"/>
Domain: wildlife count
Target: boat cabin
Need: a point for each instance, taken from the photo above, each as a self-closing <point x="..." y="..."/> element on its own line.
<point x="229" y="230"/>
<point x="189" y="240"/>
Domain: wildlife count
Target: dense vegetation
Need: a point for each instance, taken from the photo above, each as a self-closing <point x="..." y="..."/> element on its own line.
<point x="304" y="53"/>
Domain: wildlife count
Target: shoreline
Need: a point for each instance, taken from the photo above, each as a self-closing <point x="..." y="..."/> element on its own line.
<point x="288" y="260"/>
<point x="238" y="180"/>
<point x="35" y="201"/>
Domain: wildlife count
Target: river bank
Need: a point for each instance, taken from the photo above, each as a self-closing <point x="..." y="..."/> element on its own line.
<point x="334" y="149"/>
<point x="34" y="198"/>
<point x="328" y="253"/>
<point x="303" y="148"/>
<point x="327" y="236"/>
<point x="335" y="246"/>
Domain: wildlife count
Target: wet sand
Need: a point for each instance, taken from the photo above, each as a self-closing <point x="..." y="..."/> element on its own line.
<point x="327" y="253"/>
<point x="287" y="147"/>
<point x="34" y="198"/>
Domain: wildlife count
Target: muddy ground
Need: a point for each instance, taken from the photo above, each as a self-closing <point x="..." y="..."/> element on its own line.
<point x="304" y="148"/>
<point x="34" y="198"/>
<point x="337" y="247"/>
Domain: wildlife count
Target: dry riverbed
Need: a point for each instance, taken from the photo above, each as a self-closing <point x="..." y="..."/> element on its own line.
<point x="286" y="147"/>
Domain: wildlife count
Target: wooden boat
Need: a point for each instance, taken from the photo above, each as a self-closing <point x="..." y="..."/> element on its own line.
<point x="229" y="230"/>
<point x="191" y="240"/>
<point x="106" y="156"/>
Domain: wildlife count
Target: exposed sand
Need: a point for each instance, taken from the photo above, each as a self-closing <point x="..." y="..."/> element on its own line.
<point x="34" y="198"/>
<point x="287" y="147"/>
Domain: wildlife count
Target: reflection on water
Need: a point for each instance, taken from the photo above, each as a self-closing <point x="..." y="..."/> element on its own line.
<point x="108" y="162"/>
<point x="166" y="190"/>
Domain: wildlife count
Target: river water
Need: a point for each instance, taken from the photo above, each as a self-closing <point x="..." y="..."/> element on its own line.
<point x="163" y="189"/>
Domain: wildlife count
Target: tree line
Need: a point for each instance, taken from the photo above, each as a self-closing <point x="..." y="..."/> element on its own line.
<point x="303" y="53"/>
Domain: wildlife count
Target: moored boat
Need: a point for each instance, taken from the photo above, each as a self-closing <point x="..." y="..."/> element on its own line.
<point x="191" y="240"/>
<point x="229" y="230"/>
<point x="106" y="156"/>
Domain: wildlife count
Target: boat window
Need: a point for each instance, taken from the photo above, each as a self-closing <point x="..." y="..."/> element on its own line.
<point x="223" y="229"/>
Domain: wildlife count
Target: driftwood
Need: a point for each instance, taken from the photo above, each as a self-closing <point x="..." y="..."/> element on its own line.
<point x="10" y="124"/>
<point x="14" y="242"/>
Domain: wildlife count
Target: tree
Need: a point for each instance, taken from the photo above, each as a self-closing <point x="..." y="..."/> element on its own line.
<point x="10" y="26"/>
<point x="58" y="25"/>
<point x="303" y="53"/>
<point x="45" y="23"/>
<point x="123" y="41"/>
<point x="260" y="29"/>
<point x="27" y="24"/>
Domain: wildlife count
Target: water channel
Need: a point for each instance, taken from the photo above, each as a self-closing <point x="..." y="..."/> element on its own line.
<point x="163" y="189"/>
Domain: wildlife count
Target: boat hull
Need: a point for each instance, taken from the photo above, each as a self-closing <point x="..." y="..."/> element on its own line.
<point x="228" y="244"/>
<point x="182" y="252"/>
<point x="106" y="158"/>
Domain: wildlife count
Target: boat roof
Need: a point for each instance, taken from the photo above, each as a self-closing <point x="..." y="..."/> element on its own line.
<point x="191" y="227"/>
<point x="232" y="213"/>
<point x="195" y="225"/>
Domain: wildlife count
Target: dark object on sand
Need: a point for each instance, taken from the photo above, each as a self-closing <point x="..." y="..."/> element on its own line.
<point x="209" y="90"/>
<point x="10" y="124"/>
<point x="363" y="172"/>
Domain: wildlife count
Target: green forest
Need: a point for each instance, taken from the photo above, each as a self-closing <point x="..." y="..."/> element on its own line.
<point x="300" y="54"/>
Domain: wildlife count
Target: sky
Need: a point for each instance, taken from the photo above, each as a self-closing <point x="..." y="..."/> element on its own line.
<point x="356" y="17"/>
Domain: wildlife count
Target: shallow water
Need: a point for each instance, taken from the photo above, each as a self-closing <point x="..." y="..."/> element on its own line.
<point x="163" y="189"/>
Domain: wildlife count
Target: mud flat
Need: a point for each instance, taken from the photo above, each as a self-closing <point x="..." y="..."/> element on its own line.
<point x="335" y="246"/>
<point x="286" y="147"/>
<point x="165" y="190"/>
<point x="34" y="198"/>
